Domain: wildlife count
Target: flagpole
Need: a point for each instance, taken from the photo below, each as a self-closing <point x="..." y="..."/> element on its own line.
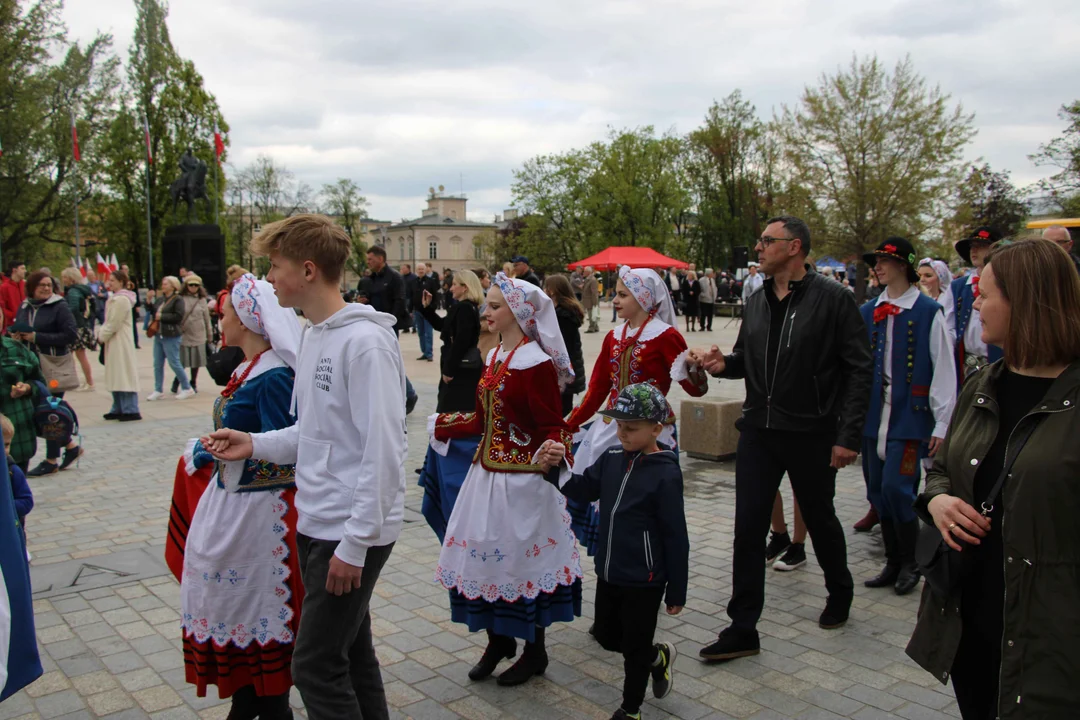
<point x="75" y="177"/>
<point x="149" y="232"/>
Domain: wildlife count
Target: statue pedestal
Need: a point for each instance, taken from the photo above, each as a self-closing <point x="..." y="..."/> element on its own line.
<point x="200" y="249"/>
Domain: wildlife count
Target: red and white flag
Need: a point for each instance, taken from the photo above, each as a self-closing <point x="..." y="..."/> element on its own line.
<point x="75" y="139"/>
<point x="219" y="144"/>
<point x="83" y="267"/>
<point x="146" y="133"/>
<point x="113" y="265"/>
<point x="102" y="266"/>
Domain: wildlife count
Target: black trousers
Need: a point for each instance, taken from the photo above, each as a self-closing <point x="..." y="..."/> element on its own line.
<point x="334" y="665"/>
<point x="707" y="312"/>
<point x="763" y="458"/>
<point x="626" y="623"/>
<point x="976" y="668"/>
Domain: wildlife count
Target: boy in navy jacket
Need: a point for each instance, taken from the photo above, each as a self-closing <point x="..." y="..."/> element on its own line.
<point x="644" y="547"/>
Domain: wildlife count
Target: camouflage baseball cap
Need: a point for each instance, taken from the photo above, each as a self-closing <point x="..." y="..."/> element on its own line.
<point x="641" y="401"/>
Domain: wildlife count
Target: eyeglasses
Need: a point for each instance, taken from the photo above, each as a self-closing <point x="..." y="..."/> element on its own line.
<point x="766" y="241"/>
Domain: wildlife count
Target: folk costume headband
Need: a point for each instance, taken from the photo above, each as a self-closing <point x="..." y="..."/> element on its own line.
<point x="257" y="307"/>
<point x="535" y="315"/>
<point x="650" y="291"/>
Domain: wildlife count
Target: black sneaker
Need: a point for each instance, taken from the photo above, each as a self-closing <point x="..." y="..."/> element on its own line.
<point x="732" y="644"/>
<point x="778" y="543"/>
<point x="130" y="417"/>
<point x="663" y="672"/>
<point x="835" y="614"/>
<point x="621" y="714"/>
<point x="70" y="456"/>
<point x="44" y="468"/>
<point x="793" y="558"/>
<point x="111" y="416"/>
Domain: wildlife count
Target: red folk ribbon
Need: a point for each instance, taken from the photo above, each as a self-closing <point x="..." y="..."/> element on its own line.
<point x="884" y="310"/>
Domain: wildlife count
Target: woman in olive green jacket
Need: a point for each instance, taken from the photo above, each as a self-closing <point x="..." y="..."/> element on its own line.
<point x="1009" y="637"/>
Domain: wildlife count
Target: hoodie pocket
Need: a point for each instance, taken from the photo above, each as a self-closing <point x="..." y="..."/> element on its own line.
<point x="648" y="552"/>
<point x="322" y="492"/>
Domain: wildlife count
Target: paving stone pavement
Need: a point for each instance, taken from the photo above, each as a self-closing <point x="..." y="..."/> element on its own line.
<point x="111" y="644"/>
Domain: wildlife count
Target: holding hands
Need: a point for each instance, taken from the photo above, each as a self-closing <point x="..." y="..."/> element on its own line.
<point x="711" y="360"/>
<point x="20" y="389"/>
<point x="226" y="444"/>
<point x="550" y="454"/>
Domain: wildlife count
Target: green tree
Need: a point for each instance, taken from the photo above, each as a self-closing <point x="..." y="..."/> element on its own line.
<point x="880" y="154"/>
<point x="45" y="80"/>
<point x="989" y="198"/>
<point x="1063" y="152"/>
<point x="343" y="199"/>
<point x="731" y="174"/>
<point x="168" y="92"/>
<point x="554" y="188"/>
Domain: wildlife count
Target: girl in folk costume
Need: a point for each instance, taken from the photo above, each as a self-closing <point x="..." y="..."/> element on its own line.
<point x="240" y="584"/>
<point x="509" y="557"/>
<point x="646" y="348"/>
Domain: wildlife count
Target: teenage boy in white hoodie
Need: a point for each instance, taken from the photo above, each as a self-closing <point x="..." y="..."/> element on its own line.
<point x="349" y="448"/>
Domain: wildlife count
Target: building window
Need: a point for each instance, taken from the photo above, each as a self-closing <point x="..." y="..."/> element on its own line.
<point x="401" y="249"/>
<point x="455" y="248"/>
<point x="478" y="251"/>
<point x="433" y="250"/>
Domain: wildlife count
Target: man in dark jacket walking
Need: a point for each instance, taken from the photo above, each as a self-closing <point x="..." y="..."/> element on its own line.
<point x="804" y="353"/>
<point x="522" y="271"/>
<point x="409" y="278"/>
<point x="384" y="289"/>
<point x="425" y="281"/>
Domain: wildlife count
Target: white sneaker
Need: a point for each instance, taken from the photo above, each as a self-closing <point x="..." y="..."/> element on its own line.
<point x="185" y="394"/>
<point x="155" y="396"/>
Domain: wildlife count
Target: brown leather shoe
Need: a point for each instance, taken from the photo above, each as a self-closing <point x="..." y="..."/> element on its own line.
<point x="868" y="522"/>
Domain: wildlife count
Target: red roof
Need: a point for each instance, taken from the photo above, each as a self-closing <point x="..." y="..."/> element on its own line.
<point x="635" y="257"/>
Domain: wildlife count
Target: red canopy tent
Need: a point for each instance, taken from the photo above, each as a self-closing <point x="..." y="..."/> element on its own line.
<point x="635" y="257"/>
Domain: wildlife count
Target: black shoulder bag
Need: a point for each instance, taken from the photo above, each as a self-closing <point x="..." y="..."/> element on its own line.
<point x="940" y="564"/>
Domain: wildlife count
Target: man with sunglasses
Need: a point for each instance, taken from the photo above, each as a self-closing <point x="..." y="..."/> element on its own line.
<point x="804" y="353"/>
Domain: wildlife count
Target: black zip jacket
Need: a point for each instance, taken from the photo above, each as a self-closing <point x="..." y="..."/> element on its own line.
<point x="824" y="369"/>
<point x="643" y="538"/>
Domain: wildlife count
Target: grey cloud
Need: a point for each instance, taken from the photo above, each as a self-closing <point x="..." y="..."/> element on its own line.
<point x="913" y="19"/>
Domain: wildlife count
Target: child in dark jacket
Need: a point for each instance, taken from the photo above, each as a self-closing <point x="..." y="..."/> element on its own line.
<point x="20" y="489"/>
<point x="644" y="547"/>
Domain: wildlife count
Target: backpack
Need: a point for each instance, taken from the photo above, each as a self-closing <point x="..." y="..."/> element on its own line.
<point x="53" y="418"/>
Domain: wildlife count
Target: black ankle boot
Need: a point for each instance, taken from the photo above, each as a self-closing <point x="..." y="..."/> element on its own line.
<point x="533" y="661"/>
<point x="498" y="647"/>
<point x="274" y="707"/>
<point x="887" y="577"/>
<point x="244" y="705"/>
<point x="907" y="535"/>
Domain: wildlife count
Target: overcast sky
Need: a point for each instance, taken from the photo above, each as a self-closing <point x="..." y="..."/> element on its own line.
<point x="404" y="95"/>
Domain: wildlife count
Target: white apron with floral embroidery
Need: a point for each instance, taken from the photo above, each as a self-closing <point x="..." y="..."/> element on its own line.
<point x="234" y="586"/>
<point x="509" y="537"/>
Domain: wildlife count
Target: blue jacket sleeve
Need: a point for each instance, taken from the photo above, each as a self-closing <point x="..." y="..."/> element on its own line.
<point x="583" y="488"/>
<point x="20" y="489"/>
<point x="676" y="539"/>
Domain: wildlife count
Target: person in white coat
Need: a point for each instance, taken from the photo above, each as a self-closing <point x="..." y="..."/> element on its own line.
<point x="121" y="372"/>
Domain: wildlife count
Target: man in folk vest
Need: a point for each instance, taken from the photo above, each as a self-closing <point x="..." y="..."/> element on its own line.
<point x="910" y="403"/>
<point x="972" y="354"/>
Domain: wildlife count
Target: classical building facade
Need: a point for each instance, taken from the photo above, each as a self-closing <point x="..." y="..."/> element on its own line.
<point x="442" y="237"/>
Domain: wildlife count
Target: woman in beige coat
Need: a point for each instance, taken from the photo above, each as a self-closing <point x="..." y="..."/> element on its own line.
<point x="118" y="338"/>
<point x="197" y="329"/>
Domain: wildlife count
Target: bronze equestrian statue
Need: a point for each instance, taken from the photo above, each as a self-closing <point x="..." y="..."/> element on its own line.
<point x="191" y="185"/>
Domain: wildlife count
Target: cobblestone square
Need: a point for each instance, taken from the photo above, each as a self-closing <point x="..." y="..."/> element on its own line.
<point x="108" y="623"/>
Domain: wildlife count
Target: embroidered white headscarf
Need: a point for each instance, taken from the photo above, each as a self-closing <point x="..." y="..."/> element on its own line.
<point x="651" y="292"/>
<point x="257" y="307"/>
<point x="941" y="270"/>
<point x="535" y="314"/>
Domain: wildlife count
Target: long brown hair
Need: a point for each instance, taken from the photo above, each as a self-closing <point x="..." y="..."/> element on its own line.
<point x="1042" y="287"/>
<point x="558" y="289"/>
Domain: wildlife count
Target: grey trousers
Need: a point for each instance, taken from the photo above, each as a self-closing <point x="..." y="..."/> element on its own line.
<point x="334" y="665"/>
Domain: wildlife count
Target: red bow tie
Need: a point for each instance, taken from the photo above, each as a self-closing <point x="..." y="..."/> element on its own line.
<point x="884" y="310"/>
<point x="975" y="286"/>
